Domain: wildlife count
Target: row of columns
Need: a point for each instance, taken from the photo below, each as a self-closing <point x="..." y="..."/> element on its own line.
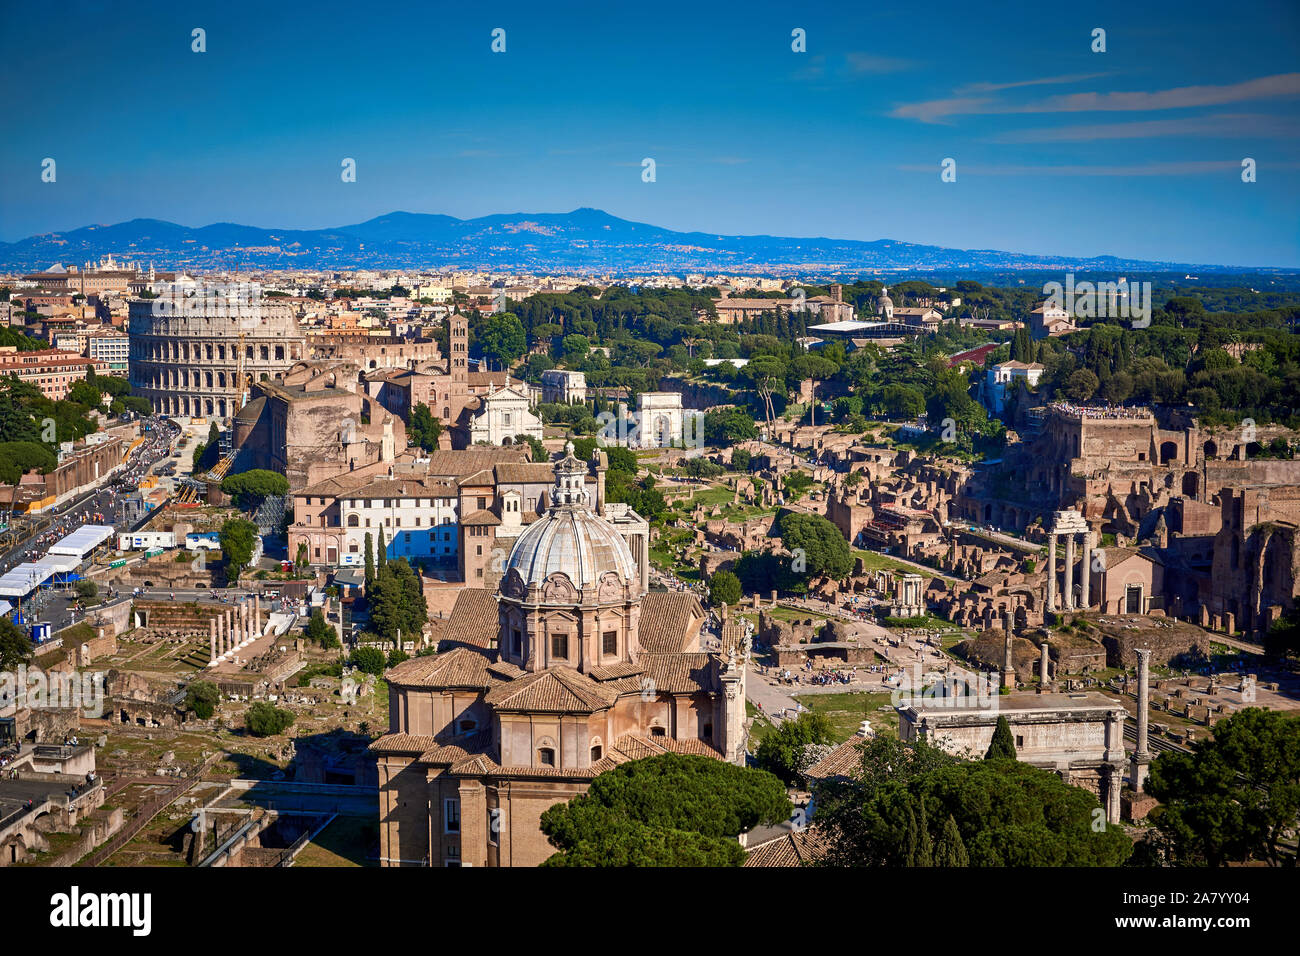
<point x="234" y="629"/>
<point x="1085" y="571"/>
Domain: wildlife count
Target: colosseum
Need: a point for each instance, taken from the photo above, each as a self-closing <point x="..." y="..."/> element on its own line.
<point x="186" y="345"/>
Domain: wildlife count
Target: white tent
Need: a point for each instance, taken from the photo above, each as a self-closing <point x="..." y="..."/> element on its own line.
<point x="58" y="563"/>
<point x="23" y="580"/>
<point x="83" y="541"/>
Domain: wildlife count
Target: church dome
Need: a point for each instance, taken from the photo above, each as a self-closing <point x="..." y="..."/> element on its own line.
<point x="573" y="542"/>
<point x="570" y="539"/>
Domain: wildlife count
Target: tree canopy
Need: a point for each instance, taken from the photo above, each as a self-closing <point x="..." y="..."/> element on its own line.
<point x="248" y="489"/>
<point x="784" y="751"/>
<point x="397" y="605"/>
<point x="238" y="539"/>
<point x="896" y="812"/>
<point x="724" y="588"/>
<point x="824" y="549"/>
<point x="667" y="810"/>
<point x="1234" y="796"/>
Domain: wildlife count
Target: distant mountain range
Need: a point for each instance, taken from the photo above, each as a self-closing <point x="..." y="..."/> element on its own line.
<point x="585" y="240"/>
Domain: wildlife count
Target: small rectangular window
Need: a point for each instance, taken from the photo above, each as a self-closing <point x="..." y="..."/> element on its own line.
<point x="610" y="642"/>
<point x="560" y="646"/>
<point x="451" y="815"/>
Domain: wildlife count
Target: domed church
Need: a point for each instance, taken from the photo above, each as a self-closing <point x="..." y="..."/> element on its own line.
<point x="568" y="670"/>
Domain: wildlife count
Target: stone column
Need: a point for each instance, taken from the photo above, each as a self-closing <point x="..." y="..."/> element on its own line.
<point x="1142" y="756"/>
<point x="1068" y="594"/>
<point x="1008" y="667"/>
<point x="1051" y="572"/>
<point x="1043" y="658"/>
<point x="1085" y="572"/>
<point x="257" y="614"/>
<point x="645" y="562"/>
<point x="212" y="638"/>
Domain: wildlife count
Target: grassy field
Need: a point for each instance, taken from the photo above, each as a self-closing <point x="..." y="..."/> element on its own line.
<point x="847" y="711"/>
<point x="345" y="842"/>
<point x="874" y="561"/>
<point x="759" y="729"/>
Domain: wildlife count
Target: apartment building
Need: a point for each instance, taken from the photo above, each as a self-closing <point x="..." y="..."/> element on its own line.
<point x="53" y="371"/>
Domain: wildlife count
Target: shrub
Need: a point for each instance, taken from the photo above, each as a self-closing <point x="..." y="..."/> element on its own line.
<point x="264" y="719"/>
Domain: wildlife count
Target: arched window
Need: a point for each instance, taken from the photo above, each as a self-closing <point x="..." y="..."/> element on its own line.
<point x="353" y="521"/>
<point x="596" y="753"/>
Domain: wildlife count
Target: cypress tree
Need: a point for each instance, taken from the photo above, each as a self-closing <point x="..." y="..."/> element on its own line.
<point x="951" y="849"/>
<point x="370" y="562"/>
<point x="381" y="552"/>
<point x="924" y="845"/>
<point x="1003" y="745"/>
<point x="910" y="837"/>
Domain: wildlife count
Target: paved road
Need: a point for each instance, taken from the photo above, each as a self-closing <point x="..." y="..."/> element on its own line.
<point x="99" y="506"/>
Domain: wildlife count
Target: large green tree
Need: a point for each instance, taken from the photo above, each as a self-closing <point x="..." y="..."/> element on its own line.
<point x="248" y="489"/>
<point x="15" y="647"/>
<point x="1005" y="813"/>
<point x="238" y="538"/>
<point x="397" y="606"/>
<point x="501" y="338"/>
<point x="424" y="429"/>
<point x="1003" y="745"/>
<point x="823" y="548"/>
<point x="724" y="588"/>
<point x="1235" y="796"/>
<point x="202" y="697"/>
<point x="668" y="810"/>
<point x="783" y="751"/>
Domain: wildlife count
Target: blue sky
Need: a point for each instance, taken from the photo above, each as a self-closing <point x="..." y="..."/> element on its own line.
<point x="1133" y="152"/>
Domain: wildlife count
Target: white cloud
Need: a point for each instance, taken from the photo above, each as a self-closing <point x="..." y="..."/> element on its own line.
<point x="1183" y="97"/>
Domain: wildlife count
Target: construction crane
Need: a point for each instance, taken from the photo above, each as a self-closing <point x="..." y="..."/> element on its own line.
<point x="239" y="375"/>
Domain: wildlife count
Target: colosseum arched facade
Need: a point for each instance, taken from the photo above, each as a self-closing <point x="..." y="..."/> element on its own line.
<point x="185" y="346"/>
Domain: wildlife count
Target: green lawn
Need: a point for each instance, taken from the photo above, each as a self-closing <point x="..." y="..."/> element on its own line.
<point x="712" y="496"/>
<point x="794" y="614"/>
<point x="847" y="711"/>
<point x="347" y="841"/>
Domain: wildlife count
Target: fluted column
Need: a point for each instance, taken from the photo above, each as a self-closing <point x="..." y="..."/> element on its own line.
<point x="1051" y="572"/>
<point x="1085" y="572"/>
<point x="1069" y="573"/>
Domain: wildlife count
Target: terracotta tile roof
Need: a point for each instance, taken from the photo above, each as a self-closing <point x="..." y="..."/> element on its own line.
<point x="532" y="472"/>
<point x="842" y="762"/>
<point x="557" y="690"/>
<point x="666" y="619"/>
<point x="680" y="673"/>
<point x="402" y="744"/>
<point x="411" y="487"/>
<point x="614" y="671"/>
<point x="791" y="849"/>
<point x="483" y="517"/>
<point x="460" y="667"/>
<point x="456" y="464"/>
<point x="474" y="619"/>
